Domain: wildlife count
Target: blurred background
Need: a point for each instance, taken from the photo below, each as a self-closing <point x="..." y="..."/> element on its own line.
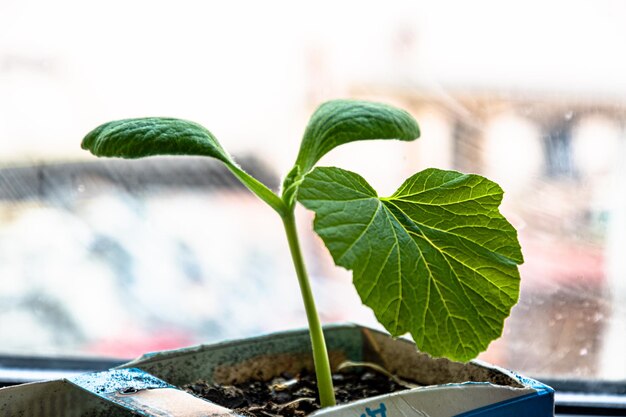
<point x="110" y="258"/>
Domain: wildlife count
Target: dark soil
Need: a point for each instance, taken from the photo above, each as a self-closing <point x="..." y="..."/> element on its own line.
<point x="293" y="395"/>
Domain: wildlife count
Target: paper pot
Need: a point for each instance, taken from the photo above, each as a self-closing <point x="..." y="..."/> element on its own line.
<point x="148" y="386"/>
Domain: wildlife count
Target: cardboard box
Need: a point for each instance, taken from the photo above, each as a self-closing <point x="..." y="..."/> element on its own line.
<point x="148" y="386"/>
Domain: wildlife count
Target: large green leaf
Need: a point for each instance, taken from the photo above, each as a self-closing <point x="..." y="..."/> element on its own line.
<point x="137" y="138"/>
<point x="435" y="259"/>
<point x="341" y="121"/>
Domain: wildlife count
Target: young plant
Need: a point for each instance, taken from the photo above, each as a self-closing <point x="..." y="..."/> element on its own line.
<point x="436" y="259"/>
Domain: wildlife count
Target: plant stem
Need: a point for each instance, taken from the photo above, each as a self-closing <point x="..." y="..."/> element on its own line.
<point x="320" y="354"/>
<point x="258" y="188"/>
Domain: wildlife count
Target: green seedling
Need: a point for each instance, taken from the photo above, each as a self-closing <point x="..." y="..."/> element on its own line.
<point x="436" y="259"/>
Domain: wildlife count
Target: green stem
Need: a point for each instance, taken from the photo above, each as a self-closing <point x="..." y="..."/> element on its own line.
<point x="258" y="188"/>
<point x="320" y="354"/>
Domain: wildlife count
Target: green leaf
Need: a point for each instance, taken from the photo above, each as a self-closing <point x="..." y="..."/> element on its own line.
<point x="137" y="138"/>
<point x="435" y="259"/>
<point x="342" y="121"/>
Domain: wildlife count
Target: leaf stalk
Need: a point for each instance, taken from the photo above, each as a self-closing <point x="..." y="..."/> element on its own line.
<point x="260" y="190"/>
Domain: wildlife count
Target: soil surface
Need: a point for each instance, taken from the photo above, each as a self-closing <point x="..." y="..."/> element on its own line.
<point x="293" y="395"/>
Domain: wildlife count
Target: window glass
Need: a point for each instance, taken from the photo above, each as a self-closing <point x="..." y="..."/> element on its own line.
<point x="115" y="258"/>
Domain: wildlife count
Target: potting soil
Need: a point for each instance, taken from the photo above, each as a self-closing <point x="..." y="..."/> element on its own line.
<point x="293" y="395"/>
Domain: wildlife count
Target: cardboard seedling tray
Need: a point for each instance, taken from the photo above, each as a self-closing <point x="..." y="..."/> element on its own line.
<point x="148" y="386"/>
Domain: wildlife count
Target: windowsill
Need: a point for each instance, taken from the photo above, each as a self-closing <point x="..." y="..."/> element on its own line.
<point x="18" y="370"/>
<point x="589" y="404"/>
